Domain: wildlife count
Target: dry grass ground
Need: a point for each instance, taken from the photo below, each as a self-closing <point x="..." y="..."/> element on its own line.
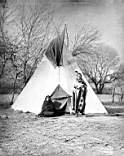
<point x="25" y="134"/>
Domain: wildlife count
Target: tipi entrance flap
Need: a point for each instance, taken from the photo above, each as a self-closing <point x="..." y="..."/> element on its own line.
<point x="59" y="93"/>
<point x="61" y="96"/>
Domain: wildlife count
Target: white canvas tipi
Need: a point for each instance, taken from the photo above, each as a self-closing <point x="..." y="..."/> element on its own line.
<point x="54" y="70"/>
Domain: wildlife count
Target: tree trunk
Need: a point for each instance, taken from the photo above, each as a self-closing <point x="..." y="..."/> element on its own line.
<point x="99" y="88"/>
<point x="14" y="87"/>
<point x="24" y="74"/>
<point x="121" y="96"/>
<point x="2" y="70"/>
<point x="113" y="95"/>
<point x="99" y="91"/>
<point x="96" y="87"/>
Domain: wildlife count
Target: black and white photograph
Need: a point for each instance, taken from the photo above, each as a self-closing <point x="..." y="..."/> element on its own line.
<point x="61" y="77"/>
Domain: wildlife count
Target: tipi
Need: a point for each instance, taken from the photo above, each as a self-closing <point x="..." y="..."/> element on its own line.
<point x="55" y="76"/>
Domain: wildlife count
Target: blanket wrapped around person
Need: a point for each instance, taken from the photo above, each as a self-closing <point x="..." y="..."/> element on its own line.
<point x="51" y="108"/>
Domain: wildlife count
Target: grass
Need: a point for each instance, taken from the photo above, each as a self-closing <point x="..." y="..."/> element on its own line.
<point x="114" y="108"/>
<point x="26" y="134"/>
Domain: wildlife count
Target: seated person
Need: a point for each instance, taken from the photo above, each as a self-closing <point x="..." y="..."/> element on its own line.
<point x="47" y="107"/>
<point x="51" y="108"/>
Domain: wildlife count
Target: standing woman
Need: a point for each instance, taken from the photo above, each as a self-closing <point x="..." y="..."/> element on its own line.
<point x="79" y="95"/>
<point x="84" y="93"/>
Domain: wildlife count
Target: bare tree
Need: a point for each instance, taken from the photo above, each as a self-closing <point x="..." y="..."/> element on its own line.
<point x="32" y="28"/>
<point x="24" y="34"/>
<point x="85" y="40"/>
<point x="118" y="84"/>
<point x="99" y="66"/>
<point x="6" y="48"/>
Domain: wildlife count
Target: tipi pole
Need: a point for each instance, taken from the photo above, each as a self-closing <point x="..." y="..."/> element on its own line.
<point x="59" y="75"/>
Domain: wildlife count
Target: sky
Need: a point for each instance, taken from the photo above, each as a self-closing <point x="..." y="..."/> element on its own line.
<point x="106" y="15"/>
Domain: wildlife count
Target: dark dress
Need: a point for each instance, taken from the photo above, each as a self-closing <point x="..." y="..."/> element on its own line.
<point x="48" y="109"/>
<point x="51" y="109"/>
<point x="81" y="96"/>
